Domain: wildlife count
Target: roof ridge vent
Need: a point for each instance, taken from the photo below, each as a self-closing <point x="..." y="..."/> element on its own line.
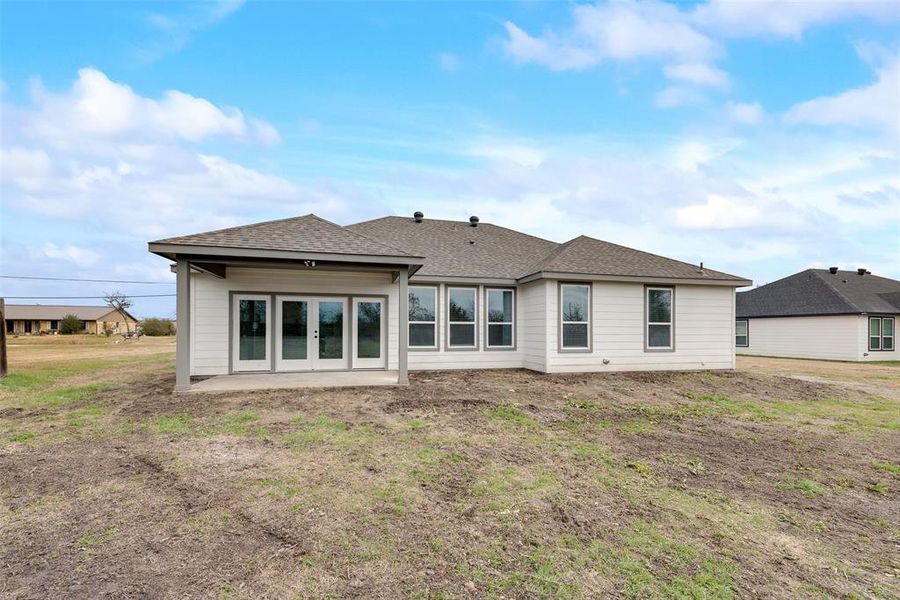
<point x="833" y="270"/>
<point x="418" y="216"/>
<point x="861" y="271"/>
<point x="473" y="221"/>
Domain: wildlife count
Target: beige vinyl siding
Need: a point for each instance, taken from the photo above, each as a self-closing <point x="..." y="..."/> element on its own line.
<point x="704" y="330"/>
<point x="533" y="334"/>
<point x="863" y="342"/>
<point x="829" y="338"/>
<point x="444" y="359"/>
<point x="210" y="305"/>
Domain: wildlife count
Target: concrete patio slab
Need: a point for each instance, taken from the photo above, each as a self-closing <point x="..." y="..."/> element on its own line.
<point x="243" y="382"/>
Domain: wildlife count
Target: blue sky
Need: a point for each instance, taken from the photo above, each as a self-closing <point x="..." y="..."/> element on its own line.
<point x="759" y="137"/>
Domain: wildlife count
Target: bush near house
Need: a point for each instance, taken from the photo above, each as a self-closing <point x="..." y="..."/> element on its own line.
<point x="156" y="327"/>
<point x="69" y="324"/>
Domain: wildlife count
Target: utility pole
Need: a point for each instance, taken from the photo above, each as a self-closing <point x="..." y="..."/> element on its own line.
<point x="2" y="338"/>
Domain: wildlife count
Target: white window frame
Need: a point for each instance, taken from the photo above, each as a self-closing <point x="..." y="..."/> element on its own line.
<point x="488" y="322"/>
<point x="881" y="335"/>
<point x="648" y="323"/>
<point x="434" y="290"/>
<point x="746" y="333"/>
<point x="590" y="298"/>
<point x="473" y="322"/>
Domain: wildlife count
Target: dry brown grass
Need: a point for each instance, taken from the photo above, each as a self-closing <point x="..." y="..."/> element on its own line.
<point x="478" y="484"/>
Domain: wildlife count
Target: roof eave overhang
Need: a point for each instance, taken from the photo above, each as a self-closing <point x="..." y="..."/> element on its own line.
<point x="463" y="279"/>
<point x="174" y="251"/>
<point x="830" y="314"/>
<point x="735" y="283"/>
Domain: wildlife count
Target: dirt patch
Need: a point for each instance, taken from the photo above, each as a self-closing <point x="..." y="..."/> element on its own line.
<point x="464" y="484"/>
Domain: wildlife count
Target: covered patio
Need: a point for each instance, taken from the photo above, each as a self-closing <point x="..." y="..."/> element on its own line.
<point x="242" y="382"/>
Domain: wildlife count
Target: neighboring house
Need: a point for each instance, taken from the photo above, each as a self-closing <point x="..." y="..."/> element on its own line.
<point x="821" y="313"/>
<point x="402" y="293"/>
<point x="28" y="319"/>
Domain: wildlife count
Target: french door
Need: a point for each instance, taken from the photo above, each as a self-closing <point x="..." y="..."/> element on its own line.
<point x="308" y="333"/>
<point x="369" y="333"/>
<point x="252" y="334"/>
<point x="312" y="333"/>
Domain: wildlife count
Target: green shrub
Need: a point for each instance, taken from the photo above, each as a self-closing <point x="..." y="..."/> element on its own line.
<point x="158" y="327"/>
<point x="69" y="324"/>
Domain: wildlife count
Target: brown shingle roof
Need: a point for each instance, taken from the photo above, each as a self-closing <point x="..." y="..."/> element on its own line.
<point x="595" y="257"/>
<point x="456" y="249"/>
<point x="308" y="233"/>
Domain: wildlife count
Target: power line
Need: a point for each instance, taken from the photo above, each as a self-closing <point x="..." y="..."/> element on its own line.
<point x="83" y="297"/>
<point x="88" y="280"/>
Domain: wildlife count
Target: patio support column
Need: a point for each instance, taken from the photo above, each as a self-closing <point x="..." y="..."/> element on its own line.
<point x="183" y="327"/>
<point x="403" y="282"/>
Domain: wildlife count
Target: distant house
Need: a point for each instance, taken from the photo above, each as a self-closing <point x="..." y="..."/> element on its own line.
<point x="33" y="319"/>
<point x="410" y="293"/>
<point x="821" y="313"/>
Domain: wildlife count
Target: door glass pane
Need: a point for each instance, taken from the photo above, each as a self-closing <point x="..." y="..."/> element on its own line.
<point x="660" y="336"/>
<point x="660" y="306"/>
<point x="421" y="334"/>
<point x="252" y="329"/>
<point x="368" y="329"/>
<point x="331" y="329"/>
<point x="294" y="327"/>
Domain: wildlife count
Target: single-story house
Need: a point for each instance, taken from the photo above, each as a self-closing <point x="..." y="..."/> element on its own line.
<point x="410" y="293"/>
<point x="33" y="319"/>
<point x="821" y="313"/>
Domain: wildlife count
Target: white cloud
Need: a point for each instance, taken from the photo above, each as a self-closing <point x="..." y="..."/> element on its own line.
<point x="675" y="96"/>
<point x="449" y="61"/>
<point x="699" y="74"/>
<point x="745" y="113"/>
<point x="172" y="32"/>
<point x="81" y="257"/>
<point x="625" y="30"/>
<point x="876" y="105"/>
<point x="786" y="18"/>
<point x="512" y="152"/>
<point x="26" y="168"/>
<point x="719" y="212"/>
<point x="98" y="108"/>
<point x="690" y="155"/>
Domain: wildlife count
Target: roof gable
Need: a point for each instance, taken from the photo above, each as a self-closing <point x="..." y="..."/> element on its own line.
<point x="308" y="233"/>
<point x="819" y="292"/>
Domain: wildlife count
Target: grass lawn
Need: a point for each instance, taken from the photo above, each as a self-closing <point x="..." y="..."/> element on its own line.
<point x="503" y="484"/>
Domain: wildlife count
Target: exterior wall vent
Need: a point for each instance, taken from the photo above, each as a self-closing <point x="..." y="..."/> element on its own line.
<point x="473" y="221"/>
<point x="418" y="216"/>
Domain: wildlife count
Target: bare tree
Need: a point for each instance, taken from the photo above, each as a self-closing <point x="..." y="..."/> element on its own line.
<point x="120" y="303"/>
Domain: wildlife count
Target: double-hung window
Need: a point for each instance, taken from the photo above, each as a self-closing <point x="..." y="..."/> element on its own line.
<point x="461" y="311"/>
<point x="422" y="317"/>
<point x="575" y="316"/>
<point x="500" y="318"/>
<point x="660" y="318"/>
<point x="742" y="333"/>
<point x="881" y="333"/>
